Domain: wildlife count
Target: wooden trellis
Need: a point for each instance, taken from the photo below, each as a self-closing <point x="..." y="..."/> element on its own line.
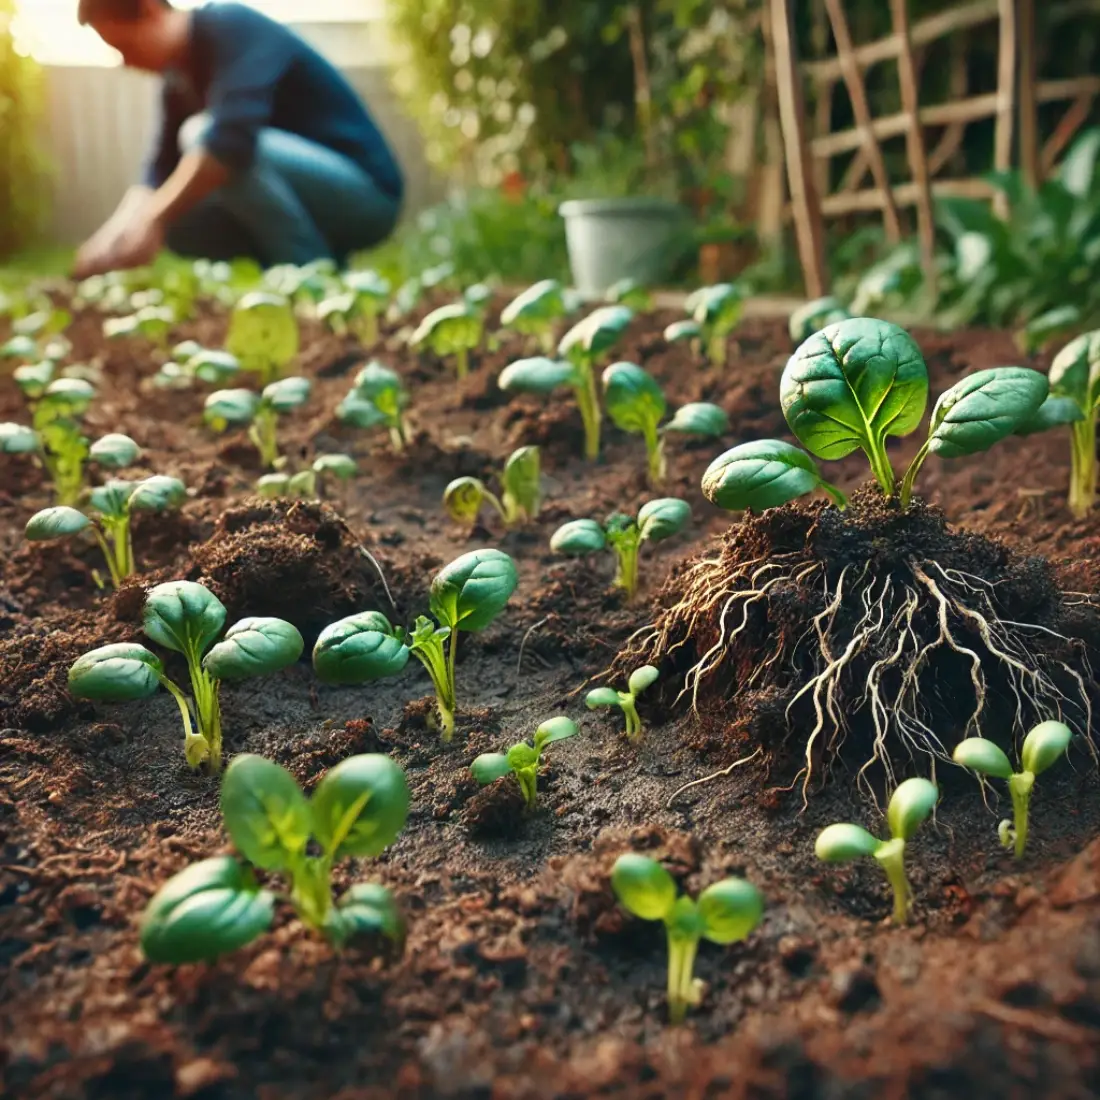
<point x="1013" y="107"/>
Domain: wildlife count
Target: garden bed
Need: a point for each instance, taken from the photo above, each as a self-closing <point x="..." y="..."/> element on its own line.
<point x="521" y="977"/>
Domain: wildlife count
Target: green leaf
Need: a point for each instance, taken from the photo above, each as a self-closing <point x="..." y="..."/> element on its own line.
<point x="1044" y="328"/>
<point x="254" y="647"/>
<point x="214" y="367"/>
<point x="273" y="486"/>
<point x="477" y="296"/>
<point x="341" y="466"/>
<point x="157" y="493"/>
<point x="69" y="395"/>
<point x="596" y="334"/>
<point x="760" y="475"/>
<point x="1054" y="412"/>
<point x="263" y="332"/>
<point x="661" y="519"/>
<point x="641" y="678"/>
<point x="265" y="813"/>
<point x="287" y="394"/>
<point x="210" y="909"/>
<point x="19" y="347"/>
<point x="55" y="523"/>
<point x="112" y="498"/>
<point x="522" y="756"/>
<point x="118" y="673"/>
<point x="489" y="767"/>
<point x="814" y="316"/>
<point x="360" y="413"/>
<point x="472" y="591"/>
<point x="449" y="329"/>
<point x="539" y="304"/>
<point x="375" y="381"/>
<point x="909" y="805"/>
<point x="522" y="480"/>
<point x="718" y="306"/>
<point x="230" y="407"/>
<point x="578" y="537"/>
<point x="683" y="331"/>
<point x="186" y="350"/>
<point x="1044" y="745"/>
<point x="360" y="806"/>
<point x="554" y="729"/>
<point x="983" y="408"/>
<point x="463" y="498"/>
<point x="730" y="910"/>
<point x="633" y="400"/>
<point x="1075" y="372"/>
<point x="981" y="755"/>
<point x="115" y="451"/>
<point x="843" y="843"/>
<point x="537" y="375"/>
<point x="643" y="886"/>
<point x="367" y="284"/>
<point x="33" y="378"/>
<point x="17" y="439"/>
<point x="852" y="385"/>
<point x="367" y="909"/>
<point x="359" y="649"/>
<point x="699" y="418"/>
<point x="629" y="292"/>
<point x="183" y="616"/>
<point x="602" y="697"/>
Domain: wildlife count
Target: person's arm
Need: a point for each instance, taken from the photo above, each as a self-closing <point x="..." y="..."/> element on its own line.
<point x="197" y="175"/>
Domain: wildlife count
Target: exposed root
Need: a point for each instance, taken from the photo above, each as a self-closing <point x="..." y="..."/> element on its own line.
<point x="710" y="778"/>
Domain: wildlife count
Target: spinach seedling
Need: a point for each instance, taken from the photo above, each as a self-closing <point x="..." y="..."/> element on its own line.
<point x="520" y="500"/>
<point x="535" y="312"/>
<point x="466" y="595"/>
<point x="150" y="322"/>
<point x="724" y="913"/>
<point x="216" y="906"/>
<point x="910" y="805"/>
<point x="187" y="618"/>
<point x="657" y="520"/>
<point x="263" y="334"/>
<point x="308" y="484"/>
<point x="635" y="403"/>
<point x="522" y="760"/>
<point x="630" y="293"/>
<point x="716" y="310"/>
<point x="357" y="307"/>
<point x="852" y="385"/>
<point x="191" y="363"/>
<point x="579" y="351"/>
<point x="814" y="316"/>
<point x="640" y="679"/>
<point x="112" y="505"/>
<point x="377" y="399"/>
<point x="1075" y="376"/>
<point x="684" y="332"/>
<point x="455" y="329"/>
<point x="1041" y="748"/>
<point x="259" y="411"/>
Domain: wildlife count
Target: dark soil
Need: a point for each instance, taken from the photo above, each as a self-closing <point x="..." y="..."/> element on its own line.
<point x="521" y="977"/>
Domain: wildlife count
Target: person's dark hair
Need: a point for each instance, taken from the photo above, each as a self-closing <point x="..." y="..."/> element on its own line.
<point x="89" y="11"/>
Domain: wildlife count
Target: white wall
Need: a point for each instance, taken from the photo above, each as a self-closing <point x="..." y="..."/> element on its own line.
<point x="100" y="121"/>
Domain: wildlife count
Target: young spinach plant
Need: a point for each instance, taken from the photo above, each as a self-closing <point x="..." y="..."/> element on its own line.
<point x="716" y="310"/>
<point x="626" y="701"/>
<point x="455" y="329"/>
<point x="1075" y="377"/>
<point x="378" y="399"/>
<point x="522" y="760"/>
<point x="187" y="618"/>
<point x="724" y="913"/>
<point x="814" y="316"/>
<point x="519" y="502"/>
<point x="357" y="308"/>
<point x="259" y="411"/>
<point x="216" y="906"/>
<point x="535" y="312"/>
<point x="263" y="334"/>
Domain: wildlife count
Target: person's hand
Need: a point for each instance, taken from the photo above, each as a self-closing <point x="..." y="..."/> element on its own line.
<point x="134" y="242"/>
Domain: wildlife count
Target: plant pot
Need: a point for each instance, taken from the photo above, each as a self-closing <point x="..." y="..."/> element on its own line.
<point x="613" y="239"/>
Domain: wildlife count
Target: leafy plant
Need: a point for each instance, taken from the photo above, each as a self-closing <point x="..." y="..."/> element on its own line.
<point x="716" y="310"/>
<point x="263" y="334"/>
<point x="684" y="332"/>
<point x="259" y="411"/>
<point x="357" y="308"/>
<point x="640" y="679"/>
<point x="909" y="806"/>
<point x="814" y="316"/>
<point x="579" y="351"/>
<point x="1075" y="376"/>
<point x="308" y="484"/>
<point x="190" y="363"/>
<point x="851" y="386"/>
<point x="535" y="312"/>
<point x="630" y="293"/>
<point x="724" y="913"/>
<point x="657" y="520"/>
<point x="151" y="322"/>
<point x="522" y="760"/>
<point x="187" y="618"/>
<point x="454" y="329"/>
<point x="520" y="500"/>
<point x="216" y="906"/>
<point x="466" y="596"/>
<point x="1041" y="748"/>
<point x="377" y="399"/>
<point x="635" y="403"/>
<point x="112" y="505"/>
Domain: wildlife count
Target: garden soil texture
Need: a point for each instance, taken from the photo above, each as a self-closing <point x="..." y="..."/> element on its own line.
<point x="521" y="977"/>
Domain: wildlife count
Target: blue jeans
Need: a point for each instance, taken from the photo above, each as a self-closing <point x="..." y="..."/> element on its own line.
<point x="298" y="202"/>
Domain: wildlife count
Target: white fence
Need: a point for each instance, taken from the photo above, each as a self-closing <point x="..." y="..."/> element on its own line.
<point x="101" y="120"/>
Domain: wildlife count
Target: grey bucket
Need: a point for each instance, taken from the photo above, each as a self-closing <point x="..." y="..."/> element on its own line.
<point x="613" y="239"/>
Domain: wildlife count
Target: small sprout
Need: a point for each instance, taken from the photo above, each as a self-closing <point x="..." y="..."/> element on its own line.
<point x="185" y="350"/>
<point x="152" y="322"/>
<point x="187" y="618"/>
<point x="259" y="411"/>
<point x="215" y="368"/>
<point x="1041" y="748"/>
<point x="33" y="378"/>
<point x="657" y="520"/>
<point x="273" y="486"/>
<point x="640" y="679"/>
<point x="17" y="439"/>
<point x="263" y="334"/>
<point x="466" y="595"/>
<point x="716" y="309"/>
<point x="909" y="807"/>
<point x="630" y="293"/>
<point x="684" y="332"/>
<point x="477" y="297"/>
<point x="535" y="312"/>
<point x="23" y="349"/>
<point x="635" y="403"/>
<point x="724" y="913"/>
<point x="814" y="316"/>
<point x="378" y="398"/>
<point x="113" y="505"/>
<point x="358" y="307"/>
<point x="520" y="500"/>
<point x="42" y="322"/>
<point x="216" y="906"/>
<point x="522" y="760"/>
<point x="454" y="329"/>
<point x="1075" y="376"/>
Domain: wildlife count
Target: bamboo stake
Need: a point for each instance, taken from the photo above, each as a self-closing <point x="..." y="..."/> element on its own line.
<point x="905" y="194"/>
<point x="771" y="196"/>
<point x="1006" y="98"/>
<point x="1029" y="111"/>
<point x="853" y="81"/>
<point x="1068" y="125"/>
<point x="958" y="80"/>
